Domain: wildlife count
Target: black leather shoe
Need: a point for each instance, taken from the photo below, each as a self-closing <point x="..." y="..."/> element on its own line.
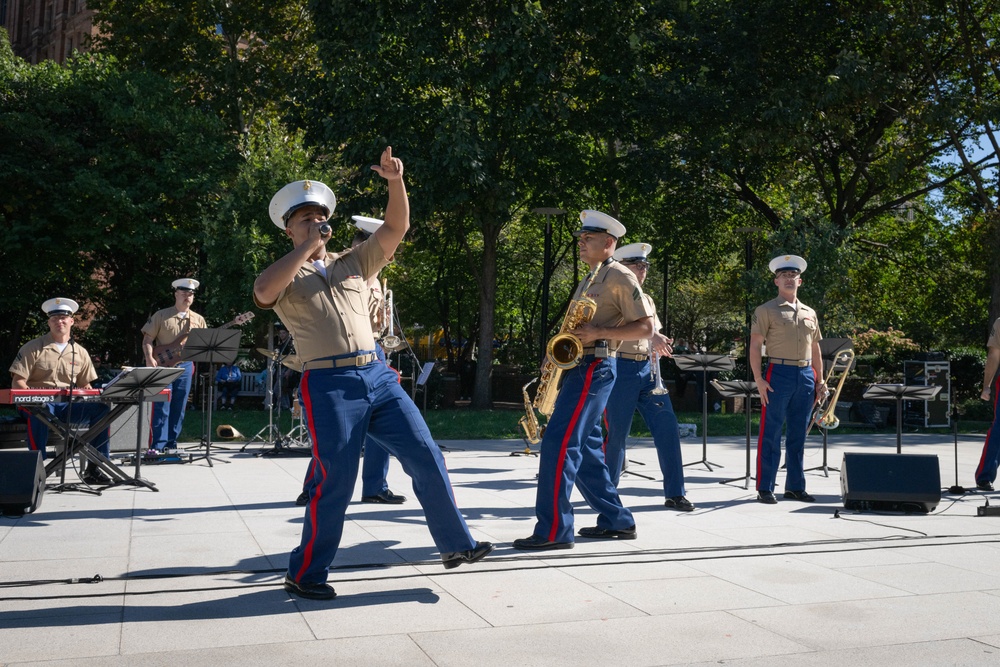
<point x="310" y="591"/>
<point x="598" y="533"/>
<point x="766" y="497"/>
<point x="800" y="495"/>
<point x="456" y="558"/>
<point x="303" y="499"/>
<point x="984" y="486"/>
<point x="536" y="543"/>
<point x="386" y="497"/>
<point x="94" y="477"/>
<point x="679" y="503"/>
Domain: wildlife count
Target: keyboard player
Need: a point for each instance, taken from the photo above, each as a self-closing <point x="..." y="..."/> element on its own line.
<point x="56" y="361"/>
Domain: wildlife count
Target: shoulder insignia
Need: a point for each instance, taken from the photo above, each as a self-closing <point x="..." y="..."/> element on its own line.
<point x="636" y="294"/>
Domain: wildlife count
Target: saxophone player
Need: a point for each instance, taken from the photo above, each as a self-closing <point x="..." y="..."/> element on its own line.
<point x="635" y="388"/>
<point x="571" y="448"/>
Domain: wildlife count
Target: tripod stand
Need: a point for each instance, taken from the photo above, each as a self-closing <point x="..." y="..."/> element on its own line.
<point x="748" y="391"/>
<point x="704" y="363"/>
<point x="136" y="385"/>
<point x="897" y="392"/>
<point x="211" y="346"/>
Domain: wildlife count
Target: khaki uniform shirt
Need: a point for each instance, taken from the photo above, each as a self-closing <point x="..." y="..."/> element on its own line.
<point x="994" y="340"/>
<point x="619" y="299"/>
<point x="166" y="325"/>
<point x="331" y="316"/>
<point x="44" y="367"/>
<point x="641" y="347"/>
<point x="788" y="332"/>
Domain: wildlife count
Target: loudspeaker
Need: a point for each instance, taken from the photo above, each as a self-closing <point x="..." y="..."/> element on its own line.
<point x="895" y="482"/>
<point x="22" y="482"/>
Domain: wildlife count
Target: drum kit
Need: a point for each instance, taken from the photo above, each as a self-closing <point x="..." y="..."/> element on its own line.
<point x="297" y="440"/>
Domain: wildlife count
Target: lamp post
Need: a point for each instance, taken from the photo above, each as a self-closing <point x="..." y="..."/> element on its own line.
<point x="546" y="268"/>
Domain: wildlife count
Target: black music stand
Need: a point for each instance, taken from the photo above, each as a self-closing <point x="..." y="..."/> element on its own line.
<point x="830" y="349"/>
<point x="212" y="346"/>
<point x="748" y="391"/>
<point x="704" y="363"/>
<point x="135" y="385"/>
<point x="899" y="392"/>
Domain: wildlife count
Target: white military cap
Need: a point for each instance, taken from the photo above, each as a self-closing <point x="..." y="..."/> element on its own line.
<point x="367" y="225"/>
<point x="636" y="252"/>
<point x="787" y="263"/>
<point x="189" y="284"/>
<point x="595" y="221"/>
<point x="60" y="306"/>
<point x="298" y="194"/>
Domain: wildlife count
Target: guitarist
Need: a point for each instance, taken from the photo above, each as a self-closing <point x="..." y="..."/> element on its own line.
<point x="168" y="329"/>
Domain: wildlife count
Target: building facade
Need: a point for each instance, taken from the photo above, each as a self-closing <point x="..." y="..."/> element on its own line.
<point x="47" y="29"/>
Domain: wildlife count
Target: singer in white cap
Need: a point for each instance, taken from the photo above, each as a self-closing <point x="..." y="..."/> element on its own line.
<point x="347" y="394"/>
<point x="167" y="330"/>
<point x="571" y="452"/>
<point x="634" y="387"/>
<point x="56" y="361"/>
<point x="792" y="382"/>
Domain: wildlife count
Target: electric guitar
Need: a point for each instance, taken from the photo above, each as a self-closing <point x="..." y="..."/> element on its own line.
<point x="169" y="354"/>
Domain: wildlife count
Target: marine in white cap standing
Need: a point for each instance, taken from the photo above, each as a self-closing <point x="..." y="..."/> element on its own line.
<point x="56" y="361"/>
<point x="790" y="384"/>
<point x="571" y="449"/>
<point x="634" y="390"/>
<point x="167" y="330"/>
<point x="375" y="468"/>
<point x="347" y="393"/>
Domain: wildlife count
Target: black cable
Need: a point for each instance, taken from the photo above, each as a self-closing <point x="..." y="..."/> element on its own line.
<point x="543" y="561"/>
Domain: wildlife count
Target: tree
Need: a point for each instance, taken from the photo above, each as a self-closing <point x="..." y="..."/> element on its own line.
<point x="106" y="177"/>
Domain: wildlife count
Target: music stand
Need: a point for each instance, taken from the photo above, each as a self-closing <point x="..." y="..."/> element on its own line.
<point x="748" y="391"/>
<point x="135" y="385"/>
<point x="898" y="392"/>
<point x="830" y="349"/>
<point x="704" y="363"/>
<point x="211" y="346"/>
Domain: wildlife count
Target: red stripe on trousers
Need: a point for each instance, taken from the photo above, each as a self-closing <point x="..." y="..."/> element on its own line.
<point x="982" y="459"/>
<point x="317" y="468"/>
<point x="763" y="419"/>
<point x="565" y="443"/>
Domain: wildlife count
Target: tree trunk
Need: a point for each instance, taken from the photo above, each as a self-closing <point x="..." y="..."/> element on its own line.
<point x="993" y="234"/>
<point x="482" y="395"/>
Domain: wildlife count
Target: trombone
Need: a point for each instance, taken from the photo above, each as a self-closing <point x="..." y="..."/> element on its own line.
<point x="840" y="366"/>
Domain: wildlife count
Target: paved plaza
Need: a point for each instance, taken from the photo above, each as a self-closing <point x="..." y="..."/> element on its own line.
<point x="191" y="574"/>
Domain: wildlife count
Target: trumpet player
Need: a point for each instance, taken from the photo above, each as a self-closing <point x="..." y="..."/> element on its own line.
<point x="571" y="451"/>
<point x="375" y="461"/>
<point x="637" y="387"/>
<point x="792" y="382"/>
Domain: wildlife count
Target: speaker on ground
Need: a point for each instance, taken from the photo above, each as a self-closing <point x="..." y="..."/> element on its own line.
<point x="894" y="482"/>
<point x="22" y="482"/>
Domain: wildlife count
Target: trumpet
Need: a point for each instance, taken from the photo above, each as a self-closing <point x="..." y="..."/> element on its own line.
<point x="654" y="371"/>
<point x="823" y="415"/>
<point x="389" y="341"/>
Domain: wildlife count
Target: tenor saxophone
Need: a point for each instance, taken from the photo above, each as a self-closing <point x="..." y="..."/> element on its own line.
<point x="564" y="351"/>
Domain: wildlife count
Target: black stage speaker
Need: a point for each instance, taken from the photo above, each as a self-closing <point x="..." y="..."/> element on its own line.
<point x="895" y="482"/>
<point x="22" y="482"/>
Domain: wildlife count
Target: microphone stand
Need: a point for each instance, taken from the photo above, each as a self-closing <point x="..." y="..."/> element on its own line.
<point x="957" y="489"/>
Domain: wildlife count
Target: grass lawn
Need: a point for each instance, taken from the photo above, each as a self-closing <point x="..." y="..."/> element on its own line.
<point x="468" y="424"/>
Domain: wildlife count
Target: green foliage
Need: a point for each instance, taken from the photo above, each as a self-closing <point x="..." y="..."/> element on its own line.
<point x="107" y="176"/>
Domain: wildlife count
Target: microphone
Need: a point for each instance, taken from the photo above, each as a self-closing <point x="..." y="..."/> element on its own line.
<point x="325" y="229"/>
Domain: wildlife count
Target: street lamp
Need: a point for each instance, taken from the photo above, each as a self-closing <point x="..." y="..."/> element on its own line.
<point x="546" y="268"/>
